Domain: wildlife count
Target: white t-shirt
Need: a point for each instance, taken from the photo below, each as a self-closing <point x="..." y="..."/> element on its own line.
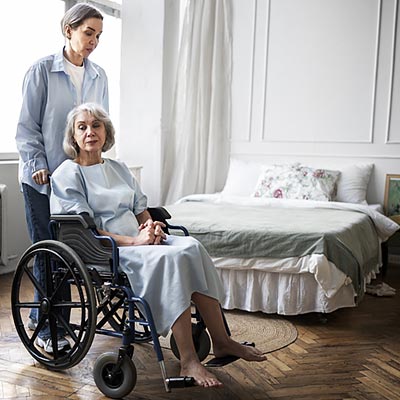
<point x="76" y="74"/>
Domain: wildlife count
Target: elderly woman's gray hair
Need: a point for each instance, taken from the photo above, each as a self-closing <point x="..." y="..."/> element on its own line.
<point x="80" y="12"/>
<point x="70" y="146"/>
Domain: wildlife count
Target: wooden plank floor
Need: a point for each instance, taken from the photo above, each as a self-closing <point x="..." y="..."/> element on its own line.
<point x="354" y="354"/>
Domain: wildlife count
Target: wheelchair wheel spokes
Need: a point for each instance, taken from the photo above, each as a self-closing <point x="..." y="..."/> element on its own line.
<point x="28" y="270"/>
<point x="65" y="301"/>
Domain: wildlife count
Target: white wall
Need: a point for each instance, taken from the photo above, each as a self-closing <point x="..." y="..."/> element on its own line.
<point x="149" y="55"/>
<point x="318" y="81"/>
<point x="313" y="80"/>
<point x="138" y="143"/>
<point x="17" y="234"/>
<point x="145" y="46"/>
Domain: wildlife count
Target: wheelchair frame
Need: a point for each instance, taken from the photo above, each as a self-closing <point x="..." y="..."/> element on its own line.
<point x="82" y="260"/>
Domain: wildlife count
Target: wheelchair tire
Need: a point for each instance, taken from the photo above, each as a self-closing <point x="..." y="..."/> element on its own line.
<point x="114" y="384"/>
<point x="201" y="341"/>
<point x="66" y="300"/>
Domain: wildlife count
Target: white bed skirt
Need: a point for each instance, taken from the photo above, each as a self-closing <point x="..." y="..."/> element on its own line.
<point x="281" y="293"/>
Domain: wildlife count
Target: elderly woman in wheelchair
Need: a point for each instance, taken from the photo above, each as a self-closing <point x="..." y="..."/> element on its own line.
<point x="149" y="285"/>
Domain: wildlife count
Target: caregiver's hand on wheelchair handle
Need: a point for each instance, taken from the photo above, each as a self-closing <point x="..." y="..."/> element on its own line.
<point x="41" y="176"/>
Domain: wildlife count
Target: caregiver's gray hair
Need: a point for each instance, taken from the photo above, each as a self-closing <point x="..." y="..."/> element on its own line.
<point x="77" y="14"/>
<point x="70" y="146"/>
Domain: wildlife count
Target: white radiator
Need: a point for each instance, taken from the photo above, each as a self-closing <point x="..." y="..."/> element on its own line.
<point x="3" y="220"/>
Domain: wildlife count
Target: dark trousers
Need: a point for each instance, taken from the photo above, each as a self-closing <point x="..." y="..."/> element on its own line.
<point x="37" y="211"/>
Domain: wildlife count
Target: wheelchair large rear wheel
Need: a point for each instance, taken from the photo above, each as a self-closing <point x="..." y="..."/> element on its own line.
<point x="63" y="299"/>
<point x="112" y="380"/>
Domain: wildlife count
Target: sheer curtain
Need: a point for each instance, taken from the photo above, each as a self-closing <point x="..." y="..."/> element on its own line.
<point x="196" y="144"/>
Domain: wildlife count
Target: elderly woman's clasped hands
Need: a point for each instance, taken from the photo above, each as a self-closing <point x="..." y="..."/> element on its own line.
<point x="151" y="232"/>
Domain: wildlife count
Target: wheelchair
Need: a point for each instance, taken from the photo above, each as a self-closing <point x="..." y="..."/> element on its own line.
<point x="84" y="293"/>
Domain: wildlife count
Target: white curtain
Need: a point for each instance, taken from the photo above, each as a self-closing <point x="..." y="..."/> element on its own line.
<point x="196" y="144"/>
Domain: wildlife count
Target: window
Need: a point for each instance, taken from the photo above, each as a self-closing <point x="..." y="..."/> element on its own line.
<point x="30" y="29"/>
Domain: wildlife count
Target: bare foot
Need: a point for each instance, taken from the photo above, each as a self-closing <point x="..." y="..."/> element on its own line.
<point x="232" y="348"/>
<point x="200" y="374"/>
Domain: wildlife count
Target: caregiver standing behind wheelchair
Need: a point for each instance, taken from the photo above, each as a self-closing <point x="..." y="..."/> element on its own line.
<point x="168" y="275"/>
<point x="51" y="88"/>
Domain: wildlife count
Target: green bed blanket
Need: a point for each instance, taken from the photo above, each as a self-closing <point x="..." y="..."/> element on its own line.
<point x="347" y="238"/>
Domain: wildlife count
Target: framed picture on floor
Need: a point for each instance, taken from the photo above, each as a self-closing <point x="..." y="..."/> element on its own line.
<point x="392" y="197"/>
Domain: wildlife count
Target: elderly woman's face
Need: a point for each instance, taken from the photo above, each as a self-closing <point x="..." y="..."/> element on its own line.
<point x="90" y="133"/>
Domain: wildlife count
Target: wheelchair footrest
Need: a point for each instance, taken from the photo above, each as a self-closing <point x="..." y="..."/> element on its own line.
<point x="176" y="382"/>
<point x="222" y="361"/>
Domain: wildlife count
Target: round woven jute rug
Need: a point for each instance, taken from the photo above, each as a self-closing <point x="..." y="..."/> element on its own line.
<point x="268" y="332"/>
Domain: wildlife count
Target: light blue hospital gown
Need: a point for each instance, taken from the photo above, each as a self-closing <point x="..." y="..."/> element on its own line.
<point x="164" y="275"/>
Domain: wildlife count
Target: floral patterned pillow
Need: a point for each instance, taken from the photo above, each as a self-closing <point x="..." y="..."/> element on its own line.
<point x="296" y="181"/>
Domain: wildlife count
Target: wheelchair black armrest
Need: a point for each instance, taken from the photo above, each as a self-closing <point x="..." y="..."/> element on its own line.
<point x="161" y="214"/>
<point x="84" y="218"/>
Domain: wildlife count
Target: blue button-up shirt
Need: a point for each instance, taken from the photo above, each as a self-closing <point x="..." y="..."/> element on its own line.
<point x="48" y="96"/>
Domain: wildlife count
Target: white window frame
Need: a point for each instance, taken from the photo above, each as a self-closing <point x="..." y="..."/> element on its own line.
<point x="109" y="7"/>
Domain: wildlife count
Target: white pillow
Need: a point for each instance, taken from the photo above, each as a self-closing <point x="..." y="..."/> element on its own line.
<point x="242" y="177"/>
<point x="353" y="183"/>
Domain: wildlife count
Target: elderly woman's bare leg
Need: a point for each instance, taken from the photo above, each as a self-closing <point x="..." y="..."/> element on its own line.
<point x="190" y="364"/>
<point x="223" y="345"/>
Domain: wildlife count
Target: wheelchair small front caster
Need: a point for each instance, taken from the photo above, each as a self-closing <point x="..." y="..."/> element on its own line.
<point x="201" y="342"/>
<point x="112" y="380"/>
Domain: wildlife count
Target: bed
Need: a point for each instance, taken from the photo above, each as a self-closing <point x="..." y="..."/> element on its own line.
<point x="289" y="245"/>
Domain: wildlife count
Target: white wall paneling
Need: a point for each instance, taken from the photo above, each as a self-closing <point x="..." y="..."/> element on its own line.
<point x="321" y="70"/>
<point x="393" y="135"/>
<point x="318" y="80"/>
<point x="310" y="67"/>
<point x="243" y="28"/>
